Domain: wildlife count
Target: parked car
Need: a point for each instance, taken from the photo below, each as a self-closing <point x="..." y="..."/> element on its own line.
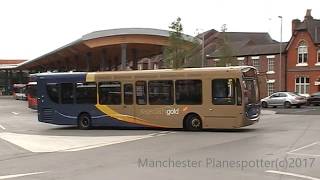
<point x="286" y="99"/>
<point x="314" y="99"/>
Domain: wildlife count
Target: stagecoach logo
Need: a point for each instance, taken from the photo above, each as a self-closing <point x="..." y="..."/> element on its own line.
<point x="172" y="111"/>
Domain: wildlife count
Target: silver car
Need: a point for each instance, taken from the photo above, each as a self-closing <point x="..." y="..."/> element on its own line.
<point x="286" y="99"/>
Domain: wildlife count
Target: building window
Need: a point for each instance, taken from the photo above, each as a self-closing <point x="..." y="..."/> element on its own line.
<point x="302" y="53"/>
<point x="270" y="87"/>
<point x="256" y="64"/>
<point x="270" y="64"/>
<point x="240" y="61"/>
<point x="318" y="56"/>
<point x="302" y="85"/>
<point x="155" y="66"/>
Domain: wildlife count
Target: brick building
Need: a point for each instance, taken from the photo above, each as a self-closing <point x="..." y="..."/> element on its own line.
<point x="255" y="49"/>
<point x="303" y="56"/>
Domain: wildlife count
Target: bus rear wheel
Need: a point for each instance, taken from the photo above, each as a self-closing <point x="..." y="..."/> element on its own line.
<point x="193" y="123"/>
<point x="84" y="121"/>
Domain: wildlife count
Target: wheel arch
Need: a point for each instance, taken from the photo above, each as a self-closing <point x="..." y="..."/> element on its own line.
<point x="185" y="118"/>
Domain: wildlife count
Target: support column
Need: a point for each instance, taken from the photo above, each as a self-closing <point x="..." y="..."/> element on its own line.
<point x="20" y="76"/>
<point x="77" y="65"/>
<point x="123" y="56"/>
<point x="135" y="59"/>
<point x="10" y="82"/>
<point x="88" y="59"/>
<point x="103" y="63"/>
<point x="6" y="83"/>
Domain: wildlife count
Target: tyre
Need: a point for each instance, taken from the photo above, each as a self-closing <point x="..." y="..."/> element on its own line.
<point x="264" y="104"/>
<point x="287" y="104"/>
<point x="193" y="123"/>
<point x="84" y="121"/>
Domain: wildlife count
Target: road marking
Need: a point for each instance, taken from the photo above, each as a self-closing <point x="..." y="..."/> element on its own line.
<point x="306" y="110"/>
<point x="20" y="175"/>
<point x="43" y="143"/>
<point x="2" y="127"/>
<point x="292" y="174"/>
<point x="15" y="113"/>
<point x="294" y="152"/>
<point x="309" y="145"/>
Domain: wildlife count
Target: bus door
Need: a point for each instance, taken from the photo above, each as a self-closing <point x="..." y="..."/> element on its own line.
<point x="225" y="106"/>
<point x="118" y="97"/>
<point x="127" y="93"/>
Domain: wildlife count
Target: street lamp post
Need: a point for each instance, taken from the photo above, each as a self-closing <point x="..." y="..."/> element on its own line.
<point x="202" y="55"/>
<point x="280" y="49"/>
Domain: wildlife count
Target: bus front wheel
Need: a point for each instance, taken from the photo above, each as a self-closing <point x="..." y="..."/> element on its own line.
<point x="84" y="121"/>
<point x="193" y="123"/>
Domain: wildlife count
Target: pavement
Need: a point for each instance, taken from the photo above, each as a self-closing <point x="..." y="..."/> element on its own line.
<point x="280" y="146"/>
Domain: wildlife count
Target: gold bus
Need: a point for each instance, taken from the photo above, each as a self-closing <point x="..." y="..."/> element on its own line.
<point x="192" y="98"/>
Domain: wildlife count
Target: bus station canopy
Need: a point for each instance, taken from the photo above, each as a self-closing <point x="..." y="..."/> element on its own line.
<point x="112" y="49"/>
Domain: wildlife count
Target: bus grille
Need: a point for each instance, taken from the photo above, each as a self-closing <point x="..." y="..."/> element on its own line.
<point x="47" y="114"/>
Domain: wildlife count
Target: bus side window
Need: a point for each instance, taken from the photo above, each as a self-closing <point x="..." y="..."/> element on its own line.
<point x="86" y="93"/>
<point x="110" y="93"/>
<point x="160" y="92"/>
<point x="67" y="93"/>
<point x="188" y="92"/>
<point x="141" y="92"/>
<point x="53" y="90"/>
<point x="223" y="92"/>
<point x="239" y="93"/>
<point x="128" y="94"/>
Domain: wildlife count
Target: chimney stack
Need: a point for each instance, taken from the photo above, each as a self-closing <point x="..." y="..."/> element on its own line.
<point x="308" y="15"/>
<point x="295" y="24"/>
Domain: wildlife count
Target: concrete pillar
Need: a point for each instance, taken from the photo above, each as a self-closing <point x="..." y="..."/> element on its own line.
<point x="88" y="60"/>
<point x="123" y="56"/>
<point x="76" y="63"/>
<point x="135" y="59"/>
<point x="20" y="78"/>
<point x="10" y="82"/>
<point x="103" y="63"/>
<point x="6" y="83"/>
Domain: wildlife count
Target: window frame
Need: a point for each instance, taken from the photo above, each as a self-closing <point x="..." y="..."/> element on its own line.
<point x="124" y="94"/>
<point x="302" y="86"/>
<point x="232" y="99"/>
<point x="73" y="93"/>
<point x="59" y="92"/>
<point x="99" y="92"/>
<point x="171" y="102"/>
<point x="270" y="91"/>
<point x="188" y="103"/>
<point x="145" y="92"/>
<point x="271" y="64"/>
<point x="303" y="51"/>
<point x="76" y="93"/>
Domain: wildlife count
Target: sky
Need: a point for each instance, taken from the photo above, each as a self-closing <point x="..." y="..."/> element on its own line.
<point x="31" y="28"/>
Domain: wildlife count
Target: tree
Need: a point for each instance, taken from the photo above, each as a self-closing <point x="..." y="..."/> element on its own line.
<point x="179" y="52"/>
<point x="226" y="54"/>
